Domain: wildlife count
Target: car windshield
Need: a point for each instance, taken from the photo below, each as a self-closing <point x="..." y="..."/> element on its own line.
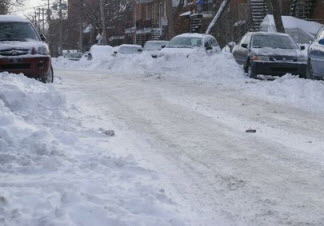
<point x="74" y="55"/>
<point x="154" y="45"/>
<point x="128" y="49"/>
<point x="17" y="31"/>
<point x="273" y="41"/>
<point x="185" y="42"/>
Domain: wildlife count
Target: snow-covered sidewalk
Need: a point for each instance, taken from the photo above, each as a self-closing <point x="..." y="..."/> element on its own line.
<point x="56" y="170"/>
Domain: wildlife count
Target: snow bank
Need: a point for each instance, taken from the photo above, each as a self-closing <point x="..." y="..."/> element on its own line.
<point x="54" y="171"/>
<point x="301" y="93"/>
<point x="219" y="68"/>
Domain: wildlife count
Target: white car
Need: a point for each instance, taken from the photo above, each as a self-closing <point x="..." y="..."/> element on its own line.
<point x="100" y="52"/>
<point x="191" y="43"/>
<point x="154" y="47"/>
<point x="128" y="49"/>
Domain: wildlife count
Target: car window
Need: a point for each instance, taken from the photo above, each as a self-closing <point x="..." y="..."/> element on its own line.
<point x="17" y="31"/>
<point x="321" y="34"/>
<point x="273" y="41"/>
<point x="214" y="42"/>
<point x="243" y="39"/>
<point x="247" y="40"/>
<point x="185" y="42"/>
<point x="207" y="42"/>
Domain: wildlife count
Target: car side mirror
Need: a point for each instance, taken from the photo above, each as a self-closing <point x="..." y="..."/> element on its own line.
<point x="140" y="50"/>
<point x="162" y="47"/>
<point x="321" y="41"/>
<point x="302" y="47"/>
<point x="43" y="38"/>
<point x="244" y="45"/>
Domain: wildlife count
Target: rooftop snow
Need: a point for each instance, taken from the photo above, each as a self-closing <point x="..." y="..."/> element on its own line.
<point x="289" y="22"/>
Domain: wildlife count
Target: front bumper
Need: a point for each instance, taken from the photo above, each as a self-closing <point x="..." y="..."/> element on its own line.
<point x="279" y="68"/>
<point x="33" y="67"/>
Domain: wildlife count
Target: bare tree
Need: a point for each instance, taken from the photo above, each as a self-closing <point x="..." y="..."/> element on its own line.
<point x="219" y="13"/>
<point x="172" y="13"/>
<point x="277" y="15"/>
<point x="5" y="5"/>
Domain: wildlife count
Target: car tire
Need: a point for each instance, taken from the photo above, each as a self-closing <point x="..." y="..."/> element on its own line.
<point x="250" y="72"/>
<point x="309" y="71"/>
<point x="49" y="77"/>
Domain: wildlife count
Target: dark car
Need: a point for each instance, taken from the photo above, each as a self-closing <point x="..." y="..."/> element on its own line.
<point x="270" y="53"/>
<point x="315" y="67"/>
<point x="23" y="50"/>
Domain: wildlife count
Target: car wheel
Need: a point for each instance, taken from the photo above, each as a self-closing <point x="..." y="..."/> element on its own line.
<point x="309" y="71"/>
<point x="49" y="77"/>
<point x="251" y="73"/>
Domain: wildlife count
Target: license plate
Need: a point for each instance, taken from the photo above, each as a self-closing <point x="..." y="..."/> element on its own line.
<point x="15" y="60"/>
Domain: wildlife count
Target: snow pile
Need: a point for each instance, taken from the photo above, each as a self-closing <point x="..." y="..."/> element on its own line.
<point x="54" y="171"/>
<point x="302" y="93"/>
<point x="218" y="67"/>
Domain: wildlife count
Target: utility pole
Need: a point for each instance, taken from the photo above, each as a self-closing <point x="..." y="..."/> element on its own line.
<point x="81" y="26"/>
<point x="61" y="28"/>
<point x="35" y="19"/>
<point x="39" y="20"/>
<point x="43" y="20"/>
<point x="103" y="22"/>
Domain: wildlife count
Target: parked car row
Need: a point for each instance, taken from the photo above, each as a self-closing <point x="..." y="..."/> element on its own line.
<point x="23" y="50"/>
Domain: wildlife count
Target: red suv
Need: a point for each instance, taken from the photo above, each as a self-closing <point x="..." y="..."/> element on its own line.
<point x="23" y="50"/>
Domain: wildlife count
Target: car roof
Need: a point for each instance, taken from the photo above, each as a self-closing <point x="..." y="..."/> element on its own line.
<point x="268" y="33"/>
<point x="9" y="18"/>
<point x="195" y="35"/>
<point x="157" y="41"/>
<point x="131" y="45"/>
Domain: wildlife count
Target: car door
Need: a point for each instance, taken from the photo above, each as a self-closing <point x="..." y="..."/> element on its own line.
<point x="238" y="51"/>
<point x="316" y="54"/>
<point x="215" y="45"/>
<point x="208" y="46"/>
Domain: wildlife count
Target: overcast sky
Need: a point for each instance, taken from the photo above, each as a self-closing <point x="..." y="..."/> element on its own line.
<point x="29" y="6"/>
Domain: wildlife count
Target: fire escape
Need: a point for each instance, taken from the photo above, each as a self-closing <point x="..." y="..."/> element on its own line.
<point x="258" y="10"/>
<point x="302" y="9"/>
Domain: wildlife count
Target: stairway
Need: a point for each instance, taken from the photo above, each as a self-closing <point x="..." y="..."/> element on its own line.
<point x="258" y="10"/>
<point x="156" y="33"/>
<point x="302" y="8"/>
<point x="196" y="23"/>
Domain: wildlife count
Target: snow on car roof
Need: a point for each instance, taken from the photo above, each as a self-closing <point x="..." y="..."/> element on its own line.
<point x="157" y="41"/>
<point x="194" y="35"/>
<point x="268" y="33"/>
<point x="9" y="18"/>
<point x="130" y="45"/>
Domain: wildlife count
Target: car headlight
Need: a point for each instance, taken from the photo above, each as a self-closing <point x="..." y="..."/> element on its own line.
<point x="260" y="58"/>
<point x="302" y="59"/>
<point x="41" y="50"/>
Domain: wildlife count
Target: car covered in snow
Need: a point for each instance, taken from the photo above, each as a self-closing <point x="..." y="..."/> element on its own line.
<point x="191" y="43"/>
<point x="154" y="47"/>
<point x="270" y="53"/>
<point x="73" y="56"/>
<point x="23" y="50"/>
<point x="128" y="49"/>
<point x="100" y="52"/>
<point x="315" y="67"/>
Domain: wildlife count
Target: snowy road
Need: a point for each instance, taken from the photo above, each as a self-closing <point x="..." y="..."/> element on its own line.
<point x="193" y="134"/>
